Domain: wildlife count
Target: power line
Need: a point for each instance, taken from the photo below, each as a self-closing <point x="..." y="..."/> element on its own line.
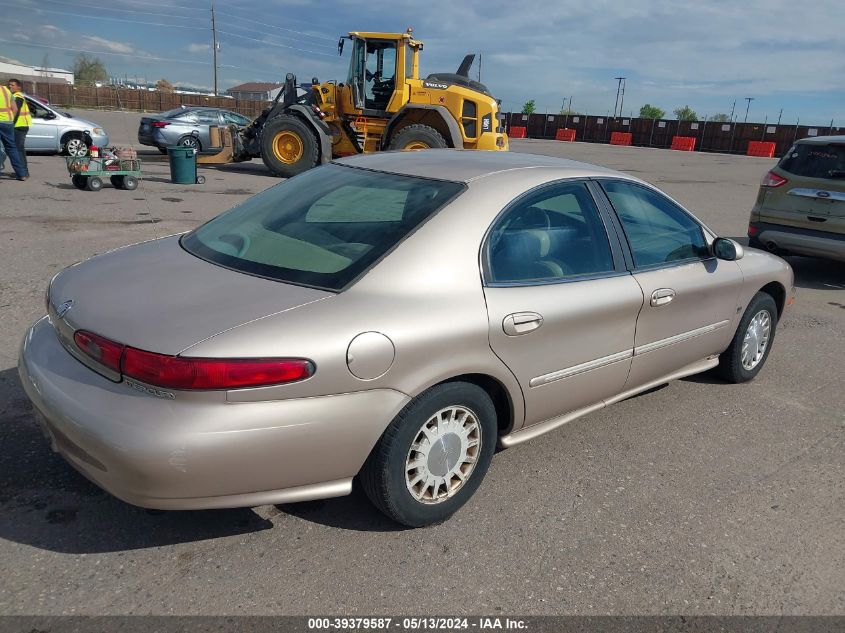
<point x="303" y="50"/>
<point x="101" y="17"/>
<point x="272" y="26"/>
<point x="292" y="38"/>
<point x="107" y="8"/>
<point x="133" y="55"/>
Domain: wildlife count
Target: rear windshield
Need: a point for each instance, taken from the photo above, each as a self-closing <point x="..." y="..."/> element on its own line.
<point x="322" y="228"/>
<point x="815" y="161"/>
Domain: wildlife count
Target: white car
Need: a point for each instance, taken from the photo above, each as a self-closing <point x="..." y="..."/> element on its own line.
<point x="59" y="132"/>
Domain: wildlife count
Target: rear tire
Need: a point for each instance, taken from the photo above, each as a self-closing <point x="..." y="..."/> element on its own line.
<point x="752" y="342"/>
<point x="163" y="150"/>
<point x="116" y="181"/>
<point x="450" y="433"/>
<point x="417" y="136"/>
<point x="79" y="181"/>
<point x="94" y="183"/>
<point x="130" y="183"/>
<point x="289" y="146"/>
<point x="190" y="141"/>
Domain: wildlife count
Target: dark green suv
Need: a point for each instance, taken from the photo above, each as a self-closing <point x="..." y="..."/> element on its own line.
<point x="800" y="209"/>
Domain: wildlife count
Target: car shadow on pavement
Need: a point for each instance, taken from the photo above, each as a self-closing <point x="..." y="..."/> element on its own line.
<point x="818" y="274"/>
<point x="353" y="512"/>
<point x="44" y="503"/>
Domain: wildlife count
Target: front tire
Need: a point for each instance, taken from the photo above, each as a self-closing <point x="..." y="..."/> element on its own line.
<point x="75" y="145"/>
<point x="751" y="344"/>
<point x="288" y="146"/>
<point x="94" y="183"/>
<point x="433" y="456"/>
<point x="417" y="136"/>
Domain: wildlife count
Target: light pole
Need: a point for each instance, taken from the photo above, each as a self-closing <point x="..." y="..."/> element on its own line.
<point x="620" y="94"/>
<point x="748" y="105"/>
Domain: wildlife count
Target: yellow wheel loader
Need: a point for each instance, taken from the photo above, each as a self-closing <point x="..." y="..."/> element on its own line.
<point x="384" y="104"/>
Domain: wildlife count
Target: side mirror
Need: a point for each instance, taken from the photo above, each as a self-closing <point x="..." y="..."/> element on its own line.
<point x="340" y="44"/>
<point x="726" y="249"/>
<point x="49" y="116"/>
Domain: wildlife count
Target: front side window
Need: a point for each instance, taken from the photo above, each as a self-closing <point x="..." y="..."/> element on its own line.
<point x="236" y="119"/>
<point x="322" y="228"/>
<point x="658" y="230"/>
<point x="551" y="235"/>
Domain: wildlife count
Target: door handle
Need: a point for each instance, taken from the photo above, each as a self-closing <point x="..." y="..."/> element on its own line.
<point x="662" y="296"/>
<point x="521" y="323"/>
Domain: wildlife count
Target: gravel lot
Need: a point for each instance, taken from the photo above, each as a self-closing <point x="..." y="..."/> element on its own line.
<point x="696" y="498"/>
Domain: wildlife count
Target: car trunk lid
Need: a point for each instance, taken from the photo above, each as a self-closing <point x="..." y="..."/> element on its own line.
<point x="157" y="297"/>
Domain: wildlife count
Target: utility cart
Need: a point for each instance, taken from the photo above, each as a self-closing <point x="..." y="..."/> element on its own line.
<point x="89" y="173"/>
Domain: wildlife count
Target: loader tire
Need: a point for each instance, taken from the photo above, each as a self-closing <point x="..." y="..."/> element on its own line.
<point x="288" y="146"/>
<point x="417" y="136"/>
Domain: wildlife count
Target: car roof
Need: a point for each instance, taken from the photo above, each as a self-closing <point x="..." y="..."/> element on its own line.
<point x="468" y="165"/>
<point x="821" y="140"/>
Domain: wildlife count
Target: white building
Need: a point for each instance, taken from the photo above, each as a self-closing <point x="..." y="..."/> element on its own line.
<point x="9" y="68"/>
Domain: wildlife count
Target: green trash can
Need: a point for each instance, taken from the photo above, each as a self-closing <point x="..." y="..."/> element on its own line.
<point x="183" y="165"/>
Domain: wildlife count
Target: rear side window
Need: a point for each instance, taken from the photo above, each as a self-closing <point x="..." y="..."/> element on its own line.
<point x="813" y="160"/>
<point x="548" y="236"/>
<point x="322" y="228"/>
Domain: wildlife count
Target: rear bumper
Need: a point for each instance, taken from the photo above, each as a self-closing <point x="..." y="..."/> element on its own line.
<point x="196" y="450"/>
<point x="779" y="238"/>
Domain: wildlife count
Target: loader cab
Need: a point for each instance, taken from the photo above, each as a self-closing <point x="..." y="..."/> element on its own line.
<point x="378" y="67"/>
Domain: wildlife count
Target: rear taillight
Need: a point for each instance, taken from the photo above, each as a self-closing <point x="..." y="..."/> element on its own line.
<point x="159" y="123"/>
<point x="175" y="372"/>
<point x="752" y="230"/>
<point x="101" y="349"/>
<point x="771" y="179"/>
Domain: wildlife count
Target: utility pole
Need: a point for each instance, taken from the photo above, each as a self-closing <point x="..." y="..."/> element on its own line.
<point x="214" y="45"/>
<point x="749" y="100"/>
<point x="780" y="115"/>
<point x="620" y="93"/>
<point x="733" y="107"/>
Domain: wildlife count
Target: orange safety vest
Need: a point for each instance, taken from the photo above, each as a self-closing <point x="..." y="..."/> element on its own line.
<point x="7" y="114"/>
<point x="24" y="117"/>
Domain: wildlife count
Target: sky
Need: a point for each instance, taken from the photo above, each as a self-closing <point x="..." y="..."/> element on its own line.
<point x="708" y="54"/>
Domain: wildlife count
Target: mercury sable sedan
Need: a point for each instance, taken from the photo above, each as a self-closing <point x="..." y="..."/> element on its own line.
<point x="391" y="317"/>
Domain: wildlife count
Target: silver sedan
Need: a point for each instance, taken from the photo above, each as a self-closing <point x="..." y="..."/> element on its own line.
<point x="392" y="317"/>
<point x="188" y="126"/>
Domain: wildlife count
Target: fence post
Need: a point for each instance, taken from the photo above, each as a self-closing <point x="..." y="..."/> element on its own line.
<point x="651" y="136"/>
<point x="703" y="132"/>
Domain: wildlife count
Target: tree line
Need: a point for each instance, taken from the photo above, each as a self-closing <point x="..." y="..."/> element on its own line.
<point x="648" y="111"/>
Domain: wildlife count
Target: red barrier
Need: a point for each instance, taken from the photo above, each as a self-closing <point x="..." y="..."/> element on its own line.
<point x="764" y="149"/>
<point x="621" y="138"/>
<point x="683" y="143"/>
<point x="565" y="134"/>
<point x="517" y="132"/>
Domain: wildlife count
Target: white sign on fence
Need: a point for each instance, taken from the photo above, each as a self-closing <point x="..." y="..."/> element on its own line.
<point x="626" y="121"/>
<point x="726" y="127"/>
<point x="599" y="121"/>
<point x="813" y="132"/>
<point x="524" y="117"/>
<point x="693" y="126"/>
<point x="551" y="117"/>
<point x="661" y="124"/>
<point x="575" y="119"/>
<point x="771" y="129"/>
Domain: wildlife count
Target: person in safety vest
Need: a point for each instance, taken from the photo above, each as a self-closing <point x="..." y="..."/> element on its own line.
<point x="22" y="121"/>
<point x="8" y="113"/>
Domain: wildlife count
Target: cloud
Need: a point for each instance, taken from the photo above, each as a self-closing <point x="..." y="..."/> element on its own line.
<point x="109" y="45"/>
<point x="198" y="48"/>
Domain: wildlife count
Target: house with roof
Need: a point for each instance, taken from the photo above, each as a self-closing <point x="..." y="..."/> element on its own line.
<point x="256" y="91"/>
